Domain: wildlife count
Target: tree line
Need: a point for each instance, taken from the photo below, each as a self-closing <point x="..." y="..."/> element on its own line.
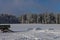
<point x="42" y="18"/>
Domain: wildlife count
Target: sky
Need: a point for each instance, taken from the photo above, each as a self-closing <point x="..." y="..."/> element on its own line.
<point x="18" y="7"/>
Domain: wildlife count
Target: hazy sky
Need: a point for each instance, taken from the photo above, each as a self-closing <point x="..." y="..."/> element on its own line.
<point x="18" y="7"/>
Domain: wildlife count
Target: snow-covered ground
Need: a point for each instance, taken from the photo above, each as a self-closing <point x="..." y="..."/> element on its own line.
<point x="32" y="32"/>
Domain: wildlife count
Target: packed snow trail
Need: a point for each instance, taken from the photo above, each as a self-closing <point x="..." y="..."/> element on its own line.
<point x="31" y="35"/>
<point x="34" y="32"/>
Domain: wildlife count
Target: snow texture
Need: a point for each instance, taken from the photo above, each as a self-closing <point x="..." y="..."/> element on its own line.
<point x="32" y="32"/>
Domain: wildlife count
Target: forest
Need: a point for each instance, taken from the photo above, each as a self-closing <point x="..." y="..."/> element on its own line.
<point x="30" y="18"/>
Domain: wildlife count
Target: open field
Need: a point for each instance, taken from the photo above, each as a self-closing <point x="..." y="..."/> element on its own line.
<point x="32" y="32"/>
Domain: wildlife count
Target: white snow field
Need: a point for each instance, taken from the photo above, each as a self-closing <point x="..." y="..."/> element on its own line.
<point x="32" y="32"/>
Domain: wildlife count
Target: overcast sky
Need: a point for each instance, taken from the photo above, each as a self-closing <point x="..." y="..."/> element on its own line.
<point x="18" y="7"/>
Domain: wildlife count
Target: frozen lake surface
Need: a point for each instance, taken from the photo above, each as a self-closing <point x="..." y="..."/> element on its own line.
<point x="32" y="32"/>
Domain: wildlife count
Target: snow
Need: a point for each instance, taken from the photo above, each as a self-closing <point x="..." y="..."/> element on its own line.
<point x="32" y="32"/>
